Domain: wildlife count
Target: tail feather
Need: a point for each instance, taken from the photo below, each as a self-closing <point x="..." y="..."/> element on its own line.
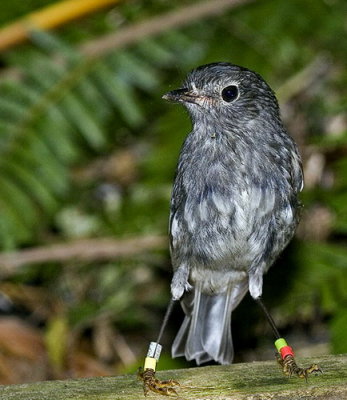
<point x="205" y="334"/>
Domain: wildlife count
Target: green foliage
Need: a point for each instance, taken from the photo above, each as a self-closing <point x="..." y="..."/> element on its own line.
<point x="59" y="112"/>
<point x="320" y="278"/>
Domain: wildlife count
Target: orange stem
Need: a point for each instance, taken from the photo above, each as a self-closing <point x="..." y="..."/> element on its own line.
<point x="48" y="18"/>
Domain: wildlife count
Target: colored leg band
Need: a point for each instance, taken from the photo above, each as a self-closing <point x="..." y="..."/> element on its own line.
<point x="154" y="350"/>
<point x="286" y="351"/>
<point x="150" y="363"/>
<point x="153" y="355"/>
<point x="280" y="343"/>
<point x="283" y="348"/>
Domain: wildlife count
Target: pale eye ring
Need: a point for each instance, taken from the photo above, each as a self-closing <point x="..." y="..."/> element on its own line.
<point x="230" y="93"/>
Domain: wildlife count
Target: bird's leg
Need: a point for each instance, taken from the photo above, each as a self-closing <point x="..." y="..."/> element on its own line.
<point x="290" y="367"/>
<point x="150" y="382"/>
<point x="147" y="374"/>
<point x="285" y="354"/>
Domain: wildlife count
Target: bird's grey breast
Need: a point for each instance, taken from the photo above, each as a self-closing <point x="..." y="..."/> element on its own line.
<point x="216" y="218"/>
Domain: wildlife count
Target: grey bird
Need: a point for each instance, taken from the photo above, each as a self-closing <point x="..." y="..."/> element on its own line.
<point x="234" y="203"/>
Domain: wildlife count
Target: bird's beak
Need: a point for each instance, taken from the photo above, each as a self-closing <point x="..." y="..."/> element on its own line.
<point x="182" y="96"/>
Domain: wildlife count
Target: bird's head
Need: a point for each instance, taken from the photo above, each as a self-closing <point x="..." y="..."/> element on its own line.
<point x="226" y="93"/>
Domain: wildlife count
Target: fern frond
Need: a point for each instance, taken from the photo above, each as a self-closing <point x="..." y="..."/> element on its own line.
<point x="59" y="110"/>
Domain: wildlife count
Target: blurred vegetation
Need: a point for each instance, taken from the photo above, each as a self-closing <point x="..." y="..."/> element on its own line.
<point x="88" y="150"/>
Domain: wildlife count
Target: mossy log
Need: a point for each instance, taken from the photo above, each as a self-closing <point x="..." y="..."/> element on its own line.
<point x="251" y="381"/>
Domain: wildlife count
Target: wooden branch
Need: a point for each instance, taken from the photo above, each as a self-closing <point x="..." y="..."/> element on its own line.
<point x="65" y="11"/>
<point x="98" y="249"/>
<point x="316" y="71"/>
<point x="161" y="23"/>
<point x="249" y="381"/>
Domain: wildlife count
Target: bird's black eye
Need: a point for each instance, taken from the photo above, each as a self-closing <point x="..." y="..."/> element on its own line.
<point x="230" y="93"/>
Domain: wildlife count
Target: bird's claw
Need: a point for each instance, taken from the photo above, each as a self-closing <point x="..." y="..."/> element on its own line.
<point x="290" y="367"/>
<point x="150" y="382"/>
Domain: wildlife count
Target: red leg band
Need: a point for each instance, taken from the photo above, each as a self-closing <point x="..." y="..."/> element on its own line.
<point x="286" y="351"/>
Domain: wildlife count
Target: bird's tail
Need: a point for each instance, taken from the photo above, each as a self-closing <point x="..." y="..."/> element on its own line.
<point x="205" y="333"/>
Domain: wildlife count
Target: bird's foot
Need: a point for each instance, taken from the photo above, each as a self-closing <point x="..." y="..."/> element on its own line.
<point x="151" y="383"/>
<point x="290" y="367"/>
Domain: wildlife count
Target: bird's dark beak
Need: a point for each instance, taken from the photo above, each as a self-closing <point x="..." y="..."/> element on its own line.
<point x="181" y="96"/>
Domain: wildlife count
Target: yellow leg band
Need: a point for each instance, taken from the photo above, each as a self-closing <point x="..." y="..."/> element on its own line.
<point x="280" y="343"/>
<point x="150" y="363"/>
